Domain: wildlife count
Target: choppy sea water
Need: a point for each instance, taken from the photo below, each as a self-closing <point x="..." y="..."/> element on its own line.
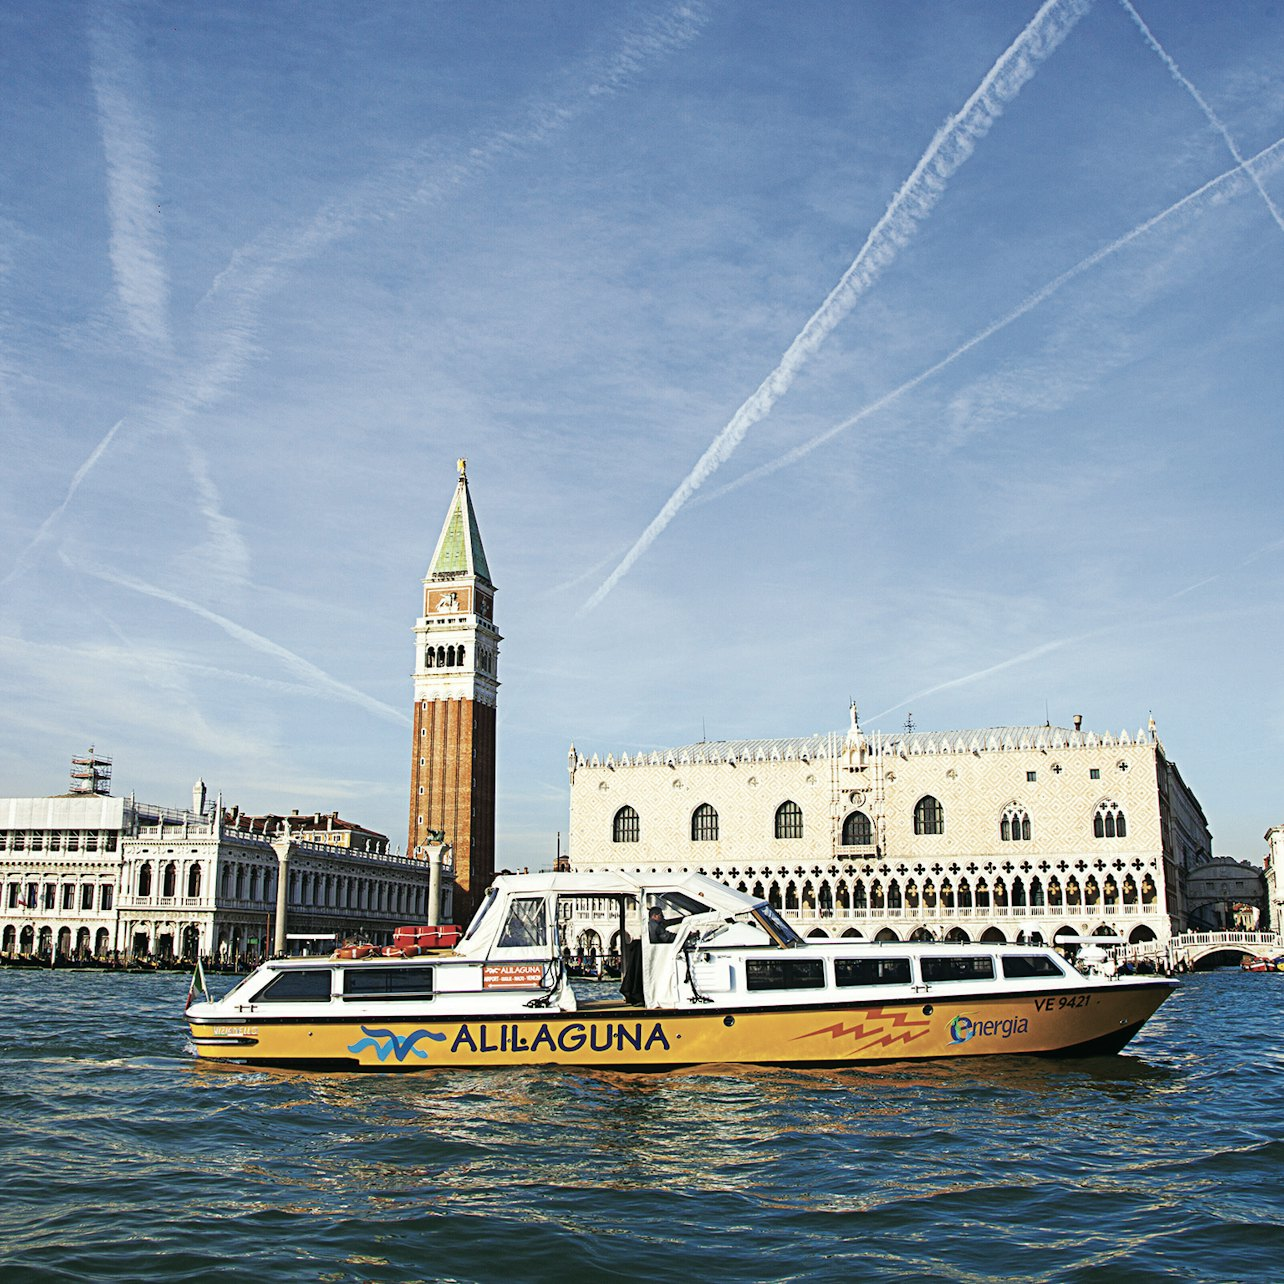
<point x="122" y="1158"/>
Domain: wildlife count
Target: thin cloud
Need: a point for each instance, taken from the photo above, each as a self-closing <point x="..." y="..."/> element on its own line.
<point x="1057" y="644"/>
<point x="420" y="180"/>
<point x="316" y="679"/>
<point x="1212" y="117"/>
<point x="1033" y="654"/>
<point x="47" y="526"/>
<point x="952" y="145"/>
<point x="133" y="210"/>
<point x="1269" y="157"/>
<point x="228" y="339"/>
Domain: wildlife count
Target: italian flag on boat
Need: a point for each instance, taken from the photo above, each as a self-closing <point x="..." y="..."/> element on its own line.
<point x="198" y="981"/>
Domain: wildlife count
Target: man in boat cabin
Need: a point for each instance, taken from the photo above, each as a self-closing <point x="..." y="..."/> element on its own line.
<point x="658" y="926"/>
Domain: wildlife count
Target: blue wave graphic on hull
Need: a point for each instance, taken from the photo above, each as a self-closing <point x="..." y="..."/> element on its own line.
<point x="385" y="1042"/>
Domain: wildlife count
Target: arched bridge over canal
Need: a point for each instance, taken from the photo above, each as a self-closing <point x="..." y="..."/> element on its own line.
<point x="1189" y="949"/>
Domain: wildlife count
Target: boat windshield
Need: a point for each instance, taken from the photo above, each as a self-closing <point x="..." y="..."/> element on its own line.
<point x="492" y="894"/>
<point x="776" y="927"/>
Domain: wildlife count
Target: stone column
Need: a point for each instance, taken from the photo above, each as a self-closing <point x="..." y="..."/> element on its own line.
<point x="282" y="849"/>
<point x="434" y="887"/>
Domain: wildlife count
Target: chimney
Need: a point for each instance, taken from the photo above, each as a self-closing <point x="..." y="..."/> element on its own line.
<point x="1078" y="722"/>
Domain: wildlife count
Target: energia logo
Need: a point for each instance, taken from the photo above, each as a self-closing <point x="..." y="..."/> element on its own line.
<point x="963" y="1028"/>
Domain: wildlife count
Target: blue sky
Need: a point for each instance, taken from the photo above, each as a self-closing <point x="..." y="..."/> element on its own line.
<point x="922" y="354"/>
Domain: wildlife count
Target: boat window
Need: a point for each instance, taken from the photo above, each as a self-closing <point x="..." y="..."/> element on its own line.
<point x="958" y="967"/>
<point x="776" y="927"/>
<point x="785" y="974"/>
<point x="680" y="902"/>
<point x="1018" y="966"/>
<point x="297" y="985"/>
<point x="489" y="900"/>
<point x="387" y="982"/>
<point x="525" y="925"/>
<point x="879" y="971"/>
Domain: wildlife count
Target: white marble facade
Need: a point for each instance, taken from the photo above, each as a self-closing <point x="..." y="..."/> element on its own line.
<point x="1008" y="833"/>
<point x="96" y="876"/>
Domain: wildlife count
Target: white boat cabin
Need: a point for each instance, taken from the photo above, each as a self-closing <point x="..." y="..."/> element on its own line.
<point x="688" y="941"/>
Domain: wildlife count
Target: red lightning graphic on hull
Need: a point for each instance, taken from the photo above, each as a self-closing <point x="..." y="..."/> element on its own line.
<point x="874" y="1026"/>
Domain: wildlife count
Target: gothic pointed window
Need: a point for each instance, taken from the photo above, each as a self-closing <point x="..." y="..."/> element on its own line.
<point x="625" y="828"/>
<point x="789" y="820"/>
<point x="704" y="824"/>
<point x="1015" y="825"/>
<point x="1109" y="822"/>
<point x="929" y="816"/>
<point x="857" y="831"/>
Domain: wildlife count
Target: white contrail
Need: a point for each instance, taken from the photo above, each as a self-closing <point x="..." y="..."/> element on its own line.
<point x="141" y="281"/>
<point x="228" y="339"/>
<point x="226" y="349"/>
<point x="1273" y="155"/>
<point x="1033" y="654"/>
<point x="953" y="143"/>
<point x="48" y="524"/>
<point x="1213" y="119"/>
<point x="317" y="679"/>
<point x="422" y="180"/>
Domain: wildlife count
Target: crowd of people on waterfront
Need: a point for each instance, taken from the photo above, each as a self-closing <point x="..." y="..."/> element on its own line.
<point x="122" y="961"/>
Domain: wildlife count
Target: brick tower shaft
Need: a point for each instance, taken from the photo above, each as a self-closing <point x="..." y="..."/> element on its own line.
<point x="456" y="685"/>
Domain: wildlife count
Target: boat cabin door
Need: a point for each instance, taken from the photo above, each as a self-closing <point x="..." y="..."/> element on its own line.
<point x="662" y="934"/>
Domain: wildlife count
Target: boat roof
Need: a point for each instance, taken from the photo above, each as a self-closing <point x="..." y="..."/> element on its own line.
<point x="487" y="924"/>
<point x="617" y="882"/>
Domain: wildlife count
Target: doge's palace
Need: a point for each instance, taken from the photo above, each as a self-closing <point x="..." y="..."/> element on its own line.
<point x="1017" y="833"/>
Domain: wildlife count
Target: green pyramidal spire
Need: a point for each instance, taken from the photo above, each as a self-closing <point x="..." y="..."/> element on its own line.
<point x="459" y="547"/>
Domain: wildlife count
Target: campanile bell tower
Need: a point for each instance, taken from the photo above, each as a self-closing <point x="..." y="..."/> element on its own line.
<point x="452" y="765"/>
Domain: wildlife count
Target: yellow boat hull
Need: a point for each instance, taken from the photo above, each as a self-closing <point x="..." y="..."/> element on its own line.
<point x="1088" y="1021"/>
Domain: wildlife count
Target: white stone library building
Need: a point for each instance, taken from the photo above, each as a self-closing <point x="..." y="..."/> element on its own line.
<point x="1016" y="834"/>
<point x="86" y="875"/>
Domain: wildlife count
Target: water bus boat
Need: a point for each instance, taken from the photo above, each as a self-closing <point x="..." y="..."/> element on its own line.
<point x="711" y="975"/>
